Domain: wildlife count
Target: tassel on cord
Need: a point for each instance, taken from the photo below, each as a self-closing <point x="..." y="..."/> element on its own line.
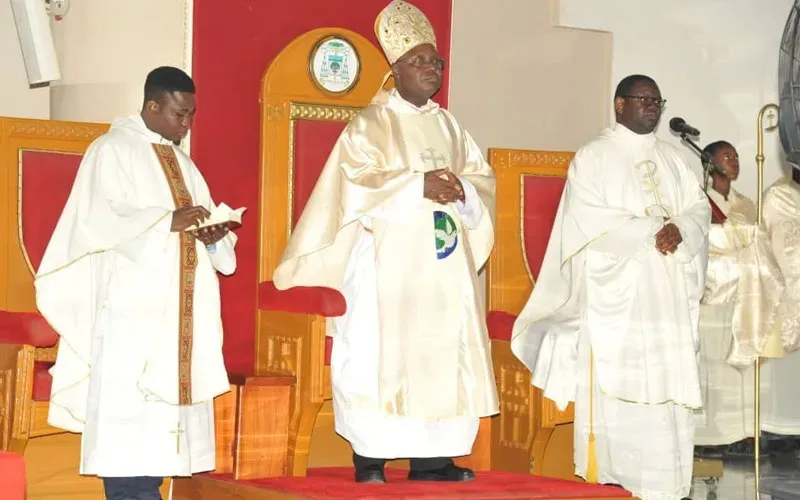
<point x="591" y="468"/>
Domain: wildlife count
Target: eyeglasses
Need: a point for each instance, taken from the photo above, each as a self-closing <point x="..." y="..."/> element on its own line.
<point x="421" y="61"/>
<point x="647" y="100"/>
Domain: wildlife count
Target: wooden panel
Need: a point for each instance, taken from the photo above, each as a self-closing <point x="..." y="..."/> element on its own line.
<point x="39" y="425"/>
<point x="513" y="433"/>
<point x="509" y="278"/>
<point x="225" y="429"/>
<point x="262" y="428"/>
<point x="289" y="94"/>
<point x="16" y="135"/>
<point x="529" y="185"/>
<point x="294" y="344"/>
<point x="45" y="180"/>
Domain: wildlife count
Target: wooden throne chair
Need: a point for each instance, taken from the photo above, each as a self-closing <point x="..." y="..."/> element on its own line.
<point x="38" y="163"/>
<point x="530" y="434"/>
<point x="301" y="120"/>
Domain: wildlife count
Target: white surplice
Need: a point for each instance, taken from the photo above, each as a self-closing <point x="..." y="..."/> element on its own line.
<point x="606" y="298"/>
<point x="727" y="412"/>
<point x="780" y="407"/>
<point x="415" y="327"/>
<point x="109" y="285"/>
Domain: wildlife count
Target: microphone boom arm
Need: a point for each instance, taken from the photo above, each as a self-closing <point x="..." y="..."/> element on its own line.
<point x="706" y="158"/>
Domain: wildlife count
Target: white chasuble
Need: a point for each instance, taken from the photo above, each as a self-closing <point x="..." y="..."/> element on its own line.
<point x="110" y="284"/>
<point x="411" y="365"/>
<point x="612" y="323"/>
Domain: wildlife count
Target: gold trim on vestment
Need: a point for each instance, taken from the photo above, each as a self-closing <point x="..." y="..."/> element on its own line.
<point x="188" y="266"/>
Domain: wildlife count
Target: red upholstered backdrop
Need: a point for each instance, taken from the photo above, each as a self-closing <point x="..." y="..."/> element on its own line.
<point x="47" y="179"/>
<point x="540" y="199"/>
<point x="313" y="139"/>
<point x="234" y="42"/>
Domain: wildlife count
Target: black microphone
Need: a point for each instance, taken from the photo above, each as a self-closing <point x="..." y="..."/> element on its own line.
<point x="680" y="126"/>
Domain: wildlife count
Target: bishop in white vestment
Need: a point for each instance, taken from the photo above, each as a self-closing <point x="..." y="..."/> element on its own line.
<point x="135" y="300"/>
<point x="400" y="222"/>
<point x="612" y="320"/>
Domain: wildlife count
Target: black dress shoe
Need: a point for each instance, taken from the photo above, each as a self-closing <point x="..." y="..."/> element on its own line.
<point x="370" y="476"/>
<point x="449" y="472"/>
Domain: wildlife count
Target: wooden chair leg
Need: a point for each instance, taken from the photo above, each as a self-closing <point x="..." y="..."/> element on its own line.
<point x="538" y="449"/>
<point x="300" y="441"/>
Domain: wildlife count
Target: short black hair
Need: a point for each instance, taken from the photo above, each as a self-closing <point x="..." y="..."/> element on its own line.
<point x="165" y="80"/>
<point x="712" y="149"/>
<point x="625" y="86"/>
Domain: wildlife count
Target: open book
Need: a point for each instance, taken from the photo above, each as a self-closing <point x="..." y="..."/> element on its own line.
<point x="220" y="215"/>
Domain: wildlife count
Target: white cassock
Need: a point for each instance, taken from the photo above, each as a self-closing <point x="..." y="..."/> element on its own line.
<point x="411" y="367"/>
<point x="109" y="284"/>
<point x="744" y="287"/>
<point x="606" y="298"/>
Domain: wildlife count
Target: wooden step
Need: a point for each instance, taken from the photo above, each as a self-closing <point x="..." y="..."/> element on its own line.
<point x="252" y="426"/>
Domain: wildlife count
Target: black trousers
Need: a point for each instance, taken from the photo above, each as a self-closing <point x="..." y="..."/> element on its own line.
<point x="132" y="488"/>
<point x="417" y="464"/>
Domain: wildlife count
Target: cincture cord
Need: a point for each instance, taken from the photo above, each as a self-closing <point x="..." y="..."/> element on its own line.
<point x="591" y="468"/>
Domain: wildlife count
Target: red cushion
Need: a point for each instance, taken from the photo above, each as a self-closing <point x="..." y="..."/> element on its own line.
<point x="12" y="476"/>
<point x="42" y="381"/>
<point x="26" y="328"/>
<point x="325" y="302"/>
<point x="500" y="324"/>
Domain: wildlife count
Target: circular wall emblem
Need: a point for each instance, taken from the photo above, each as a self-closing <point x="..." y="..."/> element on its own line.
<point x="334" y="65"/>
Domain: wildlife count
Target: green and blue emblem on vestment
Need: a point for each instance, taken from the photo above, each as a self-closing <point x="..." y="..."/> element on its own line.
<point x="444" y="228"/>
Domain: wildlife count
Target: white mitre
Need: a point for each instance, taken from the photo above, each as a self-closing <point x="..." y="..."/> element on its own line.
<point x="400" y="27"/>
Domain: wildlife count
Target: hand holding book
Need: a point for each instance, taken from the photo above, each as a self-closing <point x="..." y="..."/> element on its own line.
<point x="222" y="215"/>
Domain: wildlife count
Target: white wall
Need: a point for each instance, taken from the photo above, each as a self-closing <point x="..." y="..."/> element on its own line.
<point x="17" y="99"/>
<point x="516" y="81"/>
<point x="716" y="62"/>
<point x="106" y="48"/>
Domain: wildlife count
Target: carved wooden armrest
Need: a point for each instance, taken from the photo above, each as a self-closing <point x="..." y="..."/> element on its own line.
<point x="26" y="328"/>
<point x="325" y="302"/>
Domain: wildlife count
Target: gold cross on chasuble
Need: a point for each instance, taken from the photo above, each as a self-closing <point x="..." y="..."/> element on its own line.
<point x="178" y="431"/>
<point x="188" y="265"/>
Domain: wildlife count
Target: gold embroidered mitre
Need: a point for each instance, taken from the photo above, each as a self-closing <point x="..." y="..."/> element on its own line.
<point x="400" y="27"/>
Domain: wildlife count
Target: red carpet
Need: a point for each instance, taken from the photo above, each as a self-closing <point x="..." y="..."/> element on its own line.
<point x="337" y="483"/>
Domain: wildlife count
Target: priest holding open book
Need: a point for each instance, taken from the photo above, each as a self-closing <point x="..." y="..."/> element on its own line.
<point x="129" y="282"/>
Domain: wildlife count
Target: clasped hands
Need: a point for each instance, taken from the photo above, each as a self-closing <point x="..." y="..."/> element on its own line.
<point x="185" y="217"/>
<point x="442" y="186"/>
<point x="668" y="238"/>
